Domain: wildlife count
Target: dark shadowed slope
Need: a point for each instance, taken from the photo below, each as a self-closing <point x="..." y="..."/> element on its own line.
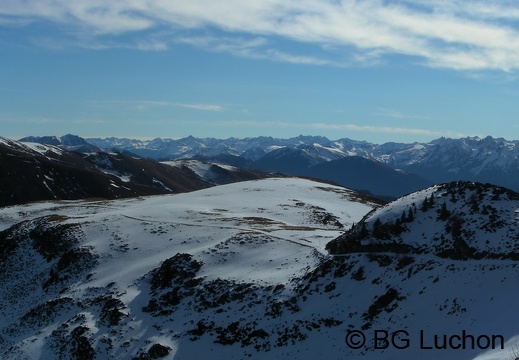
<point x="32" y="172"/>
<point x="359" y="173"/>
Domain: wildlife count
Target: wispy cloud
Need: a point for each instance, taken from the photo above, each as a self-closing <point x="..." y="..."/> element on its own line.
<point x="387" y="130"/>
<point x="146" y="104"/>
<point x="27" y="119"/>
<point x="40" y="120"/>
<point x="98" y="43"/>
<point x="253" y="48"/>
<point x="347" y="127"/>
<point x="455" y="34"/>
<point x="14" y="22"/>
<point x="390" y="113"/>
<point x="204" y="107"/>
<point x="17" y="118"/>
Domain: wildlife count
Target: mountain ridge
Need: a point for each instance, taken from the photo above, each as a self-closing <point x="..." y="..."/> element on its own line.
<point x="488" y="159"/>
<point x="456" y="220"/>
<point x="35" y="172"/>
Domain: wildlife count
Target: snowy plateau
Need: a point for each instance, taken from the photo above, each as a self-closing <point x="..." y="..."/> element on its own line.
<point x="279" y="268"/>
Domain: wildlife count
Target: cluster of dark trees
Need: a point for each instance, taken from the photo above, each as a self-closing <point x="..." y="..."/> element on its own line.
<point x="384" y="230"/>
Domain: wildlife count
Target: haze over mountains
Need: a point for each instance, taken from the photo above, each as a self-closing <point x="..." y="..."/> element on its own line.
<point x="393" y="169"/>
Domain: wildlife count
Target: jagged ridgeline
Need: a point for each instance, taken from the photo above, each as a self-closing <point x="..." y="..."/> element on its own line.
<point x="458" y="220"/>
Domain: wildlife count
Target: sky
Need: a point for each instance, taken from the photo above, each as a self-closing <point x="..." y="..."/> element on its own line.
<point x="381" y="71"/>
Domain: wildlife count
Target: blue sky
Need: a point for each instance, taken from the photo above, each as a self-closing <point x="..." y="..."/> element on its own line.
<point x="404" y="71"/>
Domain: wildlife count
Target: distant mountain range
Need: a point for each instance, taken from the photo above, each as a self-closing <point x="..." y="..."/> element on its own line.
<point x="393" y="169"/>
<point x="33" y="171"/>
<point x="354" y="172"/>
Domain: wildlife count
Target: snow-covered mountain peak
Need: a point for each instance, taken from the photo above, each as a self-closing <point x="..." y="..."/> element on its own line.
<point x="31" y="148"/>
<point x="459" y="220"/>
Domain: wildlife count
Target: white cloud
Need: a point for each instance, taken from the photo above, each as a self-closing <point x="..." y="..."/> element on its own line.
<point x="399" y="115"/>
<point x="151" y="45"/>
<point x="146" y="104"/>
<point x="455" y="34"/>
<point x="386" y="129"/>
<point x="13" y="22"/>
<point x="346" y="127"/>
<point x="204" y="107"/>
<point x="254" y="48"/>
<point x="18" y="119"/>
